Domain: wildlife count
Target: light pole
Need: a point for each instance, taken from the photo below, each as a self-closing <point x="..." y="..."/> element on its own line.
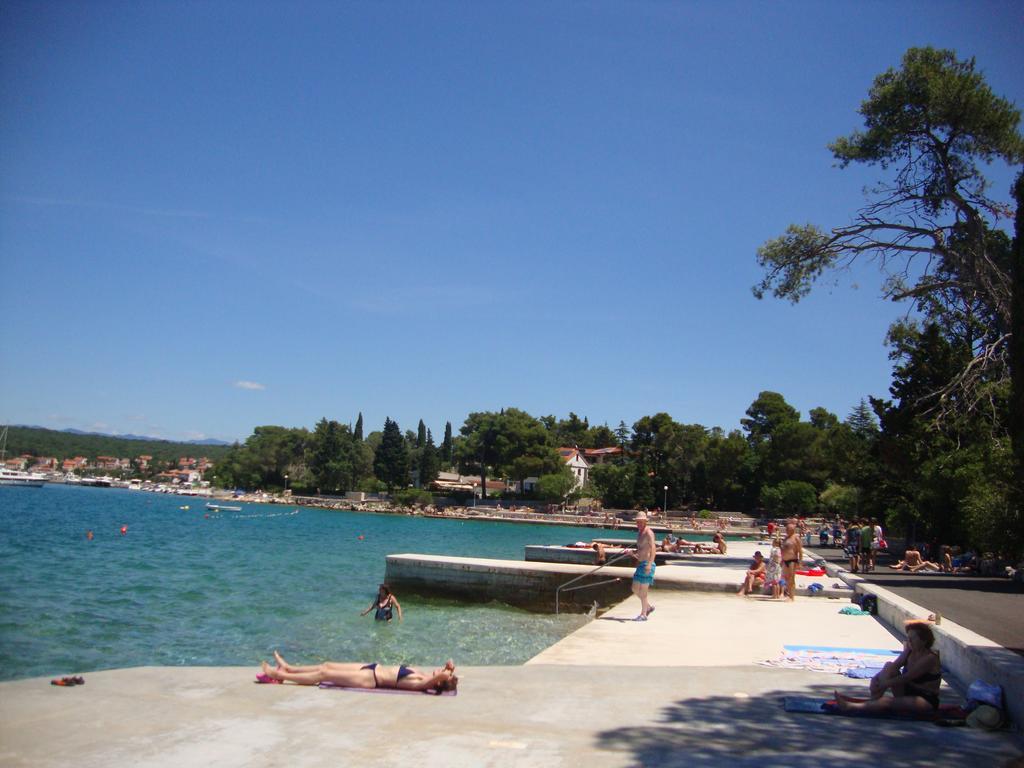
<point x="664" y="509"/>
<point x="286" y="483"/>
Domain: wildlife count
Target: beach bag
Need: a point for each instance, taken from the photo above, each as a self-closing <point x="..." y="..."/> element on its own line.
<point x="979" y="692"/>
<point x="869" y="603"/>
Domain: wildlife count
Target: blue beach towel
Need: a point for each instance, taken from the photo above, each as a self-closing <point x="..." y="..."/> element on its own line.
<point x="832" y="649"/>
<point x="804" y="704"/>
<point x="863" y="673"/>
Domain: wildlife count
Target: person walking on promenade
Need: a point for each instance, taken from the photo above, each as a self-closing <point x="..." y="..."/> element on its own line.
<point x="867" y="554"/>
<point x="643" y="577"/>
<point x="792" y="554"/>
<point x="853" y="545"/>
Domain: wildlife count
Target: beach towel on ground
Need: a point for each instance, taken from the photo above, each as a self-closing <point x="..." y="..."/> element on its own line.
<point x="332" y="686"/>
<point x="814" y="706"/>
<point x="864" y="673"/>
<point x="826" y="659"/>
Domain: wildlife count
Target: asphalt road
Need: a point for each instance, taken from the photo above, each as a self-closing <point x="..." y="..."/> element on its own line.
<point x="992" y="607"/>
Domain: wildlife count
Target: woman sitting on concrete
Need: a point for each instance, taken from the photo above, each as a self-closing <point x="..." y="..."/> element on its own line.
<point x="755" y="575"/>
<point x="914" y="679"/>
<point x="356" y="675"/>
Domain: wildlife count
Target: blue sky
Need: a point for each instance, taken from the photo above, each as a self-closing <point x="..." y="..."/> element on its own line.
<point x="219" y="215"/>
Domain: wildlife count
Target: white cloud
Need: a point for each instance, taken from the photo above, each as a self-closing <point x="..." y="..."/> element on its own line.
<point x="249" y="385"/>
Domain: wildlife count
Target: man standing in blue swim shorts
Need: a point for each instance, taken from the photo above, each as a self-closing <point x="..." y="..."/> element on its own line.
<point x="643" y="576"/>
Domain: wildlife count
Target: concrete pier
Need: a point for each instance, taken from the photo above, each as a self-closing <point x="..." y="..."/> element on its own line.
<point x="533" y="584"/>
<point x="526" y="585"/>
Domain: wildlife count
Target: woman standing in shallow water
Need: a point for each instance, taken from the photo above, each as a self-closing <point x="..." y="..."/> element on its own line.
<point x="356" y="675"/>
<point x="383" y="605"/>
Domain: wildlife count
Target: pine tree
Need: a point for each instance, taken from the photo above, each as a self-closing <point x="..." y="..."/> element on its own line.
<point x="359" y="428"/>
<point x="429" y="462"/>
<point x="447" y="454"/>
<point x="862" y="420"/>
<point x="421" y="434"/>
<point x="622" y="434"/>
<point x="391" y="462"/>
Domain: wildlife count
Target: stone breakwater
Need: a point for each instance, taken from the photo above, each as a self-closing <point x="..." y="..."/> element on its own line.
<point x="611" y="520"/>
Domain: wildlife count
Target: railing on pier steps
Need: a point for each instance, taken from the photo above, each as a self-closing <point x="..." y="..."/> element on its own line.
<point x="526" y="585"/>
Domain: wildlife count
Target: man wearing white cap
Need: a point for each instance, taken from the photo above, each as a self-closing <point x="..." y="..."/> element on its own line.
<point x="643" y="577"/>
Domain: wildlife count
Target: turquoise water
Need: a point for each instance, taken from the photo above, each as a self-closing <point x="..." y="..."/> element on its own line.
<point x="181" y="588"/>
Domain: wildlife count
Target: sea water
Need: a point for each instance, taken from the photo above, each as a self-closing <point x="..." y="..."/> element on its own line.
<point x="191" y="587"/>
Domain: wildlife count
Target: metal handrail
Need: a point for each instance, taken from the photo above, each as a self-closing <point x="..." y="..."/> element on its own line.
<point x="589" y="573"/>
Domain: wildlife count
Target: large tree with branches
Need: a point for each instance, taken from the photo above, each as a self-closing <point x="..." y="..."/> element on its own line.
<point x="932" y="226"/>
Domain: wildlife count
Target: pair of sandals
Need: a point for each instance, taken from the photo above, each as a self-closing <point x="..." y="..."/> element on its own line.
<point x="643" y="616"/>
<point x="68" y="681"/>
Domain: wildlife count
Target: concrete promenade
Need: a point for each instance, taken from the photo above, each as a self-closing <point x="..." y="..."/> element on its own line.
<point x="991" y="606"/>
<point x="684" y="688"/>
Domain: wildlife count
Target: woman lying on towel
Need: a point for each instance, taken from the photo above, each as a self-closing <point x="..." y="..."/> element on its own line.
<point x="361" y="675"/>
<point x="914" y="679"/>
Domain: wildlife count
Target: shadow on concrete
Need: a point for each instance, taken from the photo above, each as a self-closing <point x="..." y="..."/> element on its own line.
<point x="730" y="731"/>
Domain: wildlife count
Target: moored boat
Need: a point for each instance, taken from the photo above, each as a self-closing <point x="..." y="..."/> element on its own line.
<point x="222" y="507"/>
<point x="17" y="476"/>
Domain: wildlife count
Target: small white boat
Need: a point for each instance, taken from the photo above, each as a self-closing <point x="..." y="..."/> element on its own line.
<point x="17" y="476"/>
<point x="222" y="507"/>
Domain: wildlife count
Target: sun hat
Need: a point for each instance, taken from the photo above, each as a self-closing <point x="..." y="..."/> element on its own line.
<point x="986" y="718"/>
<point x="641" y="516"/>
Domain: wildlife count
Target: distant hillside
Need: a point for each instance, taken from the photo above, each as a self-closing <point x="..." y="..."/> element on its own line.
<point x="65" y="445"/>
<point x="207" y="441"/>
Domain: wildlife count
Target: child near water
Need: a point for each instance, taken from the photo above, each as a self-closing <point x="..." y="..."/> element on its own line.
<point x="773" y="570"/>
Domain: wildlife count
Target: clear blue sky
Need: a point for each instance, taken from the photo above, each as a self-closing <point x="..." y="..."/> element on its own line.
<point x="218" y="215"/>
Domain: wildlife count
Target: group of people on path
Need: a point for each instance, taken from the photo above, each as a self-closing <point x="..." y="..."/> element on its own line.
<point x="913" y="678"/>
<point x="777" y="575"/>
<point x="864" y="538"/>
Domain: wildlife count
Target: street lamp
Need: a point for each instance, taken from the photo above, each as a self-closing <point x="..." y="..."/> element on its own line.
<point x="664" y="509"/>
<point x="286" y="483"/>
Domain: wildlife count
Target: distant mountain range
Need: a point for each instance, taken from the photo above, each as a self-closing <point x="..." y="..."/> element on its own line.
<point x="207" y="441"/>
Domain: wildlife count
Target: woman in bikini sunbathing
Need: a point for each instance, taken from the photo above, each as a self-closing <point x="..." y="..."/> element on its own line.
<point x="914" y="679"/>
<point x="358" y="675"/>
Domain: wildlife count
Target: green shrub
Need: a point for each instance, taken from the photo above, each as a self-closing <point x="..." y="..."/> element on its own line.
<point x="412" y="496"/>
